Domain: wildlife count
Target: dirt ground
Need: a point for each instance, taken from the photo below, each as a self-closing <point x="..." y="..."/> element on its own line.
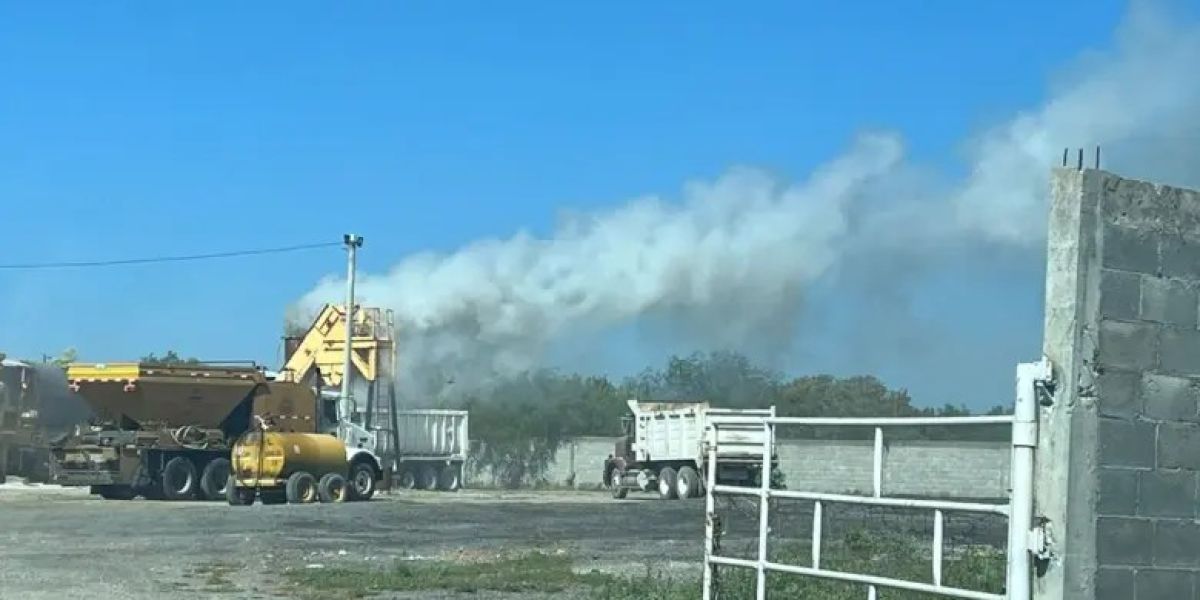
<point x="64" y="543"/>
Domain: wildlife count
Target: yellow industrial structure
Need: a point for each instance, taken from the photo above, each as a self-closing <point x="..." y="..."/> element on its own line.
<point x="318" y="356"/>
<point x="322" y="347"/>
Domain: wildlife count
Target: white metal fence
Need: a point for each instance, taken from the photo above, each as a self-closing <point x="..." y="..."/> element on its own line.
<point x="1019" y="508"/>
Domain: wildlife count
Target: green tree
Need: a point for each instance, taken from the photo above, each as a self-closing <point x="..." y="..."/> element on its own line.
<point x="66" y="357"/>
<point x="171" y="358"/>
<point x="723" y="378"/>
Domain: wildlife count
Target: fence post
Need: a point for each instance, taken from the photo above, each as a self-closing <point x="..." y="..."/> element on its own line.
<point x="764" y="507"/>
<point x="1024" y="441"/>
<point x="710" y="509"/>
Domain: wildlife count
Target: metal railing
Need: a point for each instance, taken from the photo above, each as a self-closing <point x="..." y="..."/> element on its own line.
<point x="1019" y="508"/>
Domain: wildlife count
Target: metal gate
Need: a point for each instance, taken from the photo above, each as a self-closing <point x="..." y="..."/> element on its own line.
<point x="1019" y="509"/>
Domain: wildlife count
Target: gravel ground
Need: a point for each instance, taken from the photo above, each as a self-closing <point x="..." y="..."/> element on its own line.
<point x="64" y="543"/>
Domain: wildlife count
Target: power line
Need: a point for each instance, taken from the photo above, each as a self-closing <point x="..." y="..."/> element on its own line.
<point x="161" y="259"/>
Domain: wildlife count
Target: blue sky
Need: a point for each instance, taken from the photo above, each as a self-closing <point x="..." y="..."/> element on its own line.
<point x="135" y="129"/>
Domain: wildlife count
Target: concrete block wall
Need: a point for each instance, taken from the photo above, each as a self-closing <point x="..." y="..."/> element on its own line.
<point x="1120" y="446"/>
<point x="581" y="462"/>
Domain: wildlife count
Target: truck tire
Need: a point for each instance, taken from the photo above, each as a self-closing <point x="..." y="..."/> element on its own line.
<point x="179" y="479"/>
<point x="301" y="488"/>
<point x="687" y="483"/>
<point x="408" y="479"/>
<point x="618" y="491"/>
<point x="362" y="481"/>
<point x="666" y="483"/>
<point x="449" y="478"/>
<point x="215" y="478"/>
<point x="332" y="488"/>
<point x="427" y="478"/>
<point x="237" y="496"/>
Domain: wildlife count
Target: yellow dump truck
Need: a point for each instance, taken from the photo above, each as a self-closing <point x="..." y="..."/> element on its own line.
<point x="165" y="432"/>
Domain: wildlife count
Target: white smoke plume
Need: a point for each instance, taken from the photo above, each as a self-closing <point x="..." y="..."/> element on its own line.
<point x="1140" y="102"/>
<point x="732" y="258"/>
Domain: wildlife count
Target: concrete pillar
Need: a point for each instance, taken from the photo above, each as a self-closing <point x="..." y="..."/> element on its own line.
<point x="1119" y="447"/>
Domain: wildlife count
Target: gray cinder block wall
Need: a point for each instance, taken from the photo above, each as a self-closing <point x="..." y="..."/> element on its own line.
<point x="1119" y="447"/>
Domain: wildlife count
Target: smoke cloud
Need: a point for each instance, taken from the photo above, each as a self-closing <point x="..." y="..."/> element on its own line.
<point x="60" y="409"/>
<point x="730" y="260"/>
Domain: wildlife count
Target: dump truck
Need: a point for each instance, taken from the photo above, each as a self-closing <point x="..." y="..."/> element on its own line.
<point x="165" y="432"/>
<point x="433" y="448"/>
<point x="663" y="447"/>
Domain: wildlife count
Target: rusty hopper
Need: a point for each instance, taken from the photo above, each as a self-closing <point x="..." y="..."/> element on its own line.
<point x="134" y="396"/>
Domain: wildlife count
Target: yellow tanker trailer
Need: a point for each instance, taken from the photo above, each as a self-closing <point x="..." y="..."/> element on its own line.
<point x="297" y="468"/>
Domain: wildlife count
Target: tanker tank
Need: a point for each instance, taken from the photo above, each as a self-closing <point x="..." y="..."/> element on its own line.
<point x="298" y="468"/>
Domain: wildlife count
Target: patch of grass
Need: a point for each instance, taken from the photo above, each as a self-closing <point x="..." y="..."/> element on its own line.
<point x="980" y="569"/>
<point x="535" y="572"/>
<point x="652" y="585"/>
<point x="890" y="556"/>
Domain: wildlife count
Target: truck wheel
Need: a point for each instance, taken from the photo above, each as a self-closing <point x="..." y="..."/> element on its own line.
<point x="332" y="488"/>
<point x="237" y="496"/>
<point x="687" y="483"/>
<point x="666" y="483"/>
<point x="362" y="481"/>
<point x="179" y="479"/>
<point x="427" y="478"/>
<point x="301" y="488"/>
<point x="449" y="478"/>
<point x="408" y="480"/>
<point x="214" y="479"/>
<point x="618" y="491"/>
<point x="644" y="480"/>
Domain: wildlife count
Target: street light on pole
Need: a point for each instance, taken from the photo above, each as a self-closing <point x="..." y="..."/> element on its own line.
<point x="353" y="243"/>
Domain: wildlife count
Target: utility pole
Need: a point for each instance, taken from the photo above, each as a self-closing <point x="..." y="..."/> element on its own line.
<point x="353" y="243"/>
